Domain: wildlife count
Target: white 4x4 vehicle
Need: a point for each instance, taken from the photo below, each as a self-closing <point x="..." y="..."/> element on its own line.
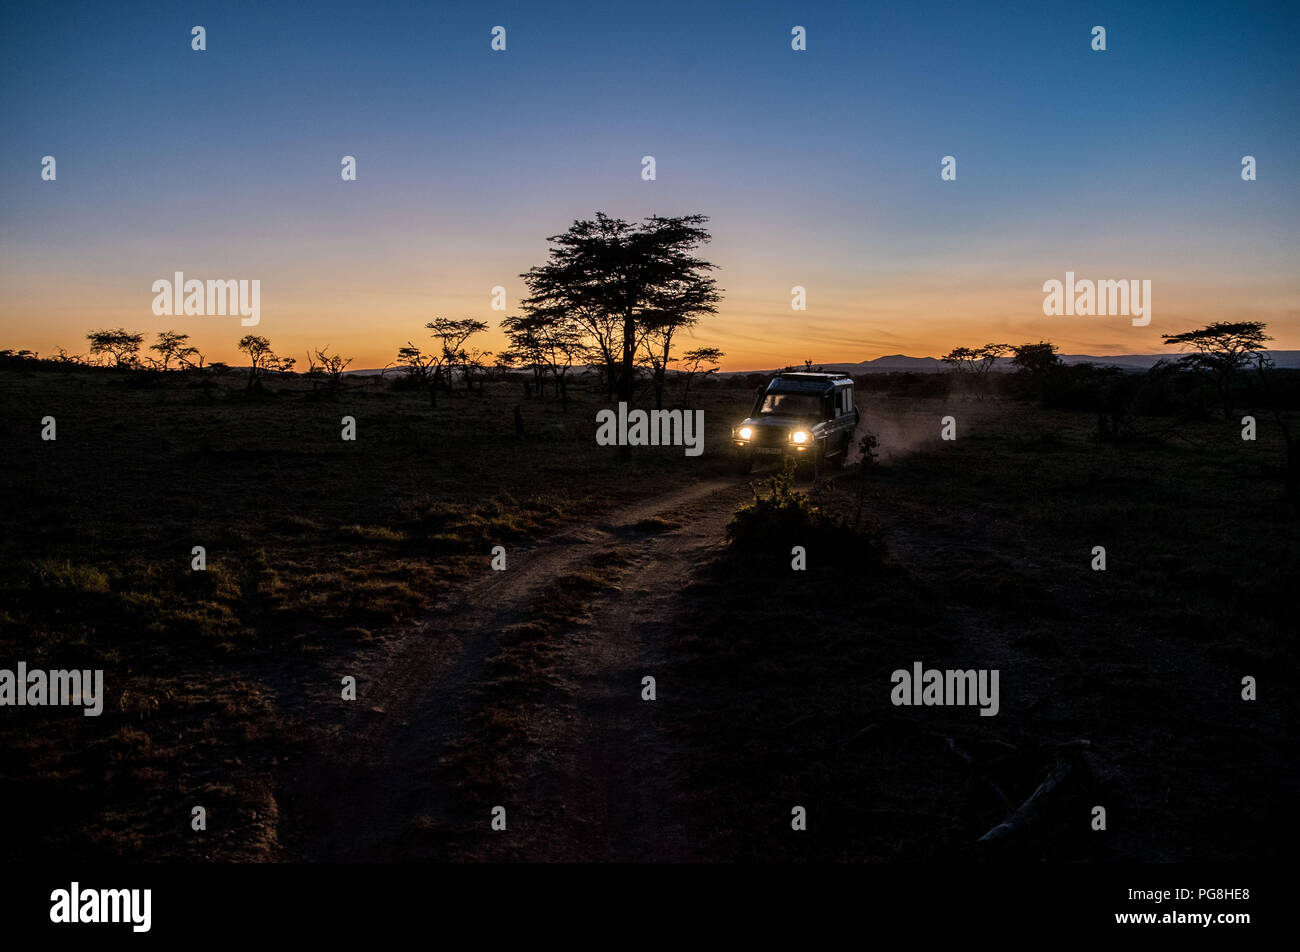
<point x="807" y="416"/>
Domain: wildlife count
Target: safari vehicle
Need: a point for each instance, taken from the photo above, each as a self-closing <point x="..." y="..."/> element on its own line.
<point x="807" y="416"/>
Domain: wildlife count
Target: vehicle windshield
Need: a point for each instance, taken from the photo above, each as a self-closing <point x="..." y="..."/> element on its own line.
<point x="791" y="404"/>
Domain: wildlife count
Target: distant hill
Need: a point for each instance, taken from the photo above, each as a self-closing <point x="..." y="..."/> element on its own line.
<point x="901" y="363"/>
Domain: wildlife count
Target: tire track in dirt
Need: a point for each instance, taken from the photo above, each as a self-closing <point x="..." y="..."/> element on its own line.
<point x="606" y="784"/>
<point x="382" y="764"/>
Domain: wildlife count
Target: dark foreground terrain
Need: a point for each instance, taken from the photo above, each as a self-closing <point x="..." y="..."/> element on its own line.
<point x="523" y="688"/>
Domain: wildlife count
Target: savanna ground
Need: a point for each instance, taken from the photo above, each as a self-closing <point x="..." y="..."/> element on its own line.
<point x="523" y="688"/>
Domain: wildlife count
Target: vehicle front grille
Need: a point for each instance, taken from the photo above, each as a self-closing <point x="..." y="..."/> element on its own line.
<point x="770" y="436"/>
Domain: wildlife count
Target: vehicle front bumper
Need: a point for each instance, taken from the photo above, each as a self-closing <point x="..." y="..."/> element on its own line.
<point x="785" y="448"/>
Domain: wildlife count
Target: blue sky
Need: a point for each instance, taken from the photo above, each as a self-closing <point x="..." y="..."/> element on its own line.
<point x="818" y="168"/>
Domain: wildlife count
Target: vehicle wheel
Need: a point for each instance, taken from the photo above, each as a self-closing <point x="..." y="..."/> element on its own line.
<point x="837" y="461"/>
<point x="744" y="462"/>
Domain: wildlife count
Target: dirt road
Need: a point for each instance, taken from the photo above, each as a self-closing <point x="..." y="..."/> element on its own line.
<point x="590" y="775"/>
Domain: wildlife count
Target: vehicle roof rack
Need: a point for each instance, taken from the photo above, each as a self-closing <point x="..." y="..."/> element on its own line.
<point x="812" y="375"/>
<point x="807" y="382"/>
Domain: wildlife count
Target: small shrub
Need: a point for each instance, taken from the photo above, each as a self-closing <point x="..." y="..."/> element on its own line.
<point x="781" y="517"/>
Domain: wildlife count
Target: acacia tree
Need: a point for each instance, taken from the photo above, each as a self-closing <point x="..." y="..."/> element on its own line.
<point x="961" y="359"/>
<point x="657" y="346"/>
<point x="619" y="281"/>
<point x="419" y="367"/>
<point x="1221" y="351"/>
<point x="552" y="341"/>
<point x="325" y="371"/>
<point x="451" y="336"/>
<point x="678" y="290"/>
<point x="1036" y="365"/>
<point x="562" y="347"/>
<point x="988" y="356"/>
<point x="1035" y="359"/>
<point x="119" y="344"/>
<point x="977" y="362"/>
<point x="694" y="365"/>
<point x="262" y="359"/>
<point x="173" y="346"/>
<point x="525" y="348"/>
<point x="570" y="281"/>
<point x="473" y="362"/>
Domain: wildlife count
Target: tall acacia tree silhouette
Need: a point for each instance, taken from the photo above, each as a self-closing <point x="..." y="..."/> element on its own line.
<point x="621" y="281"/>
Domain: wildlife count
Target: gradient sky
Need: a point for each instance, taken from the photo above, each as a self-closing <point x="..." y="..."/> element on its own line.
<point x="818" y="168"/>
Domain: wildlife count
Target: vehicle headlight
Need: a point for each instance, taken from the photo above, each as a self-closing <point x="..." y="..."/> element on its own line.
<point x="746" y="432"/>
<point x="800" y="436"/>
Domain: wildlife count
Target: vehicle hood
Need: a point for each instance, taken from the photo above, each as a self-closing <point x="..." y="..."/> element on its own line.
<point x="778" y="421"/>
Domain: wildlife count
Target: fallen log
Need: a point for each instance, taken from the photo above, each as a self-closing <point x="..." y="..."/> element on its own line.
<point x="1028" y="811"/>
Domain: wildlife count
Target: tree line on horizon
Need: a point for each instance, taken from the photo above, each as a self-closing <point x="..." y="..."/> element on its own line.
<point x="1223" y="364"/>
<point x="549" y="339"/>
<point x="612" y="297"/>
<point x="1220" y="352"/>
